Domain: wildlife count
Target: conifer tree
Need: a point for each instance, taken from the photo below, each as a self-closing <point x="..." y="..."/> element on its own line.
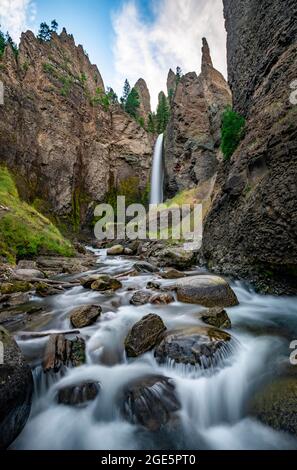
<point x="162" y="114"/>
<point x="132" y="103"/>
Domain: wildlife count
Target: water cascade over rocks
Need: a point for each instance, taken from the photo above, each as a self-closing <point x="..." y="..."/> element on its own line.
<point x="157" y="179"/>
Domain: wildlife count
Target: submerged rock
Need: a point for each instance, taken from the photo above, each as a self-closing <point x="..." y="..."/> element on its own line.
<point x="144" y="335"/>
<point x="217" y="317"/>
<point x="140" y="298"/>
<point x="16" y="386"/>
<point x="61" y="352"/>
<point x="275" y="405"/>
<point x="200" y="346"/>
<point x="79" y="394"/>
<point x="115" y="250"/>
<point x="85" y="315"/>
<point x="164" y="298"/>
<point x="151" y="402"/>
<point x="209" y="291"/>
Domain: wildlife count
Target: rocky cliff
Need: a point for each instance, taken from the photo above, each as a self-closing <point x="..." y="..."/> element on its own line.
<point x="144" y="99"/>
<point x="68" y="146"/>
<point x="252" y="227"/>
<point x="193" y="134"/>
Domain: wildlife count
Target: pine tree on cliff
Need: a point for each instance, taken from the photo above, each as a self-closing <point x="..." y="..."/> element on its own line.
<point x="112" y="96"/>
<point x="179" y="74"/>
<point x="132" y="103"/>
<point x="162" y="114"/>
<point x="2" y="43"/>
<point x="54" y="26"/>
<point x="126" y="92"/>
<point x="44" y="33"/>
<point x="13" y="45"/>
<point x="151" y="123"/>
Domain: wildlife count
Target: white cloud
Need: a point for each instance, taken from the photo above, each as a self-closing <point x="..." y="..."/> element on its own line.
<point x="174" y="38"/>
<point x="16" y="16"/>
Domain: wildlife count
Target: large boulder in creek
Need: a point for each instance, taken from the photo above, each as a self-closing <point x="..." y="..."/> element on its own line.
<point x="85" y="315"/>
<point x="163" y="298"/>
<point x="140" y="298"/>
<point x="61" y="352"/>
<point x="115" y="250"/>
<point x="16" y="386"/>
<point x="28" y="274"/>
<point x="276" y="404"/>
<point x="196" y="346"/>
<point x="209" y="291"/>
<point x="171" y="273"/>
<point x="78" y="395"/>
<point x="101" y="283"/>
<point x="144" y="335"/>
<point x="176" y="257"/>
<point x="145" y="267"/>
<point x="150" y="402"/>
<point x="217" y="317"/>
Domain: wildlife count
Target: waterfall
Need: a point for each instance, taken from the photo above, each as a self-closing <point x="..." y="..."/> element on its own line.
<point x="157" y="179"/>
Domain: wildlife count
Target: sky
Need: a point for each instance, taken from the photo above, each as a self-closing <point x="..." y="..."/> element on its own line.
<point x="130" y="38"/>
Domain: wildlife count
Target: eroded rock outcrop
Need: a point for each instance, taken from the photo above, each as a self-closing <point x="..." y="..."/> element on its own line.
<point x="193" y="133"/>
<point x="68" y="147"/>
<point x="144" y="99"/>
<point x="251" y="229"/>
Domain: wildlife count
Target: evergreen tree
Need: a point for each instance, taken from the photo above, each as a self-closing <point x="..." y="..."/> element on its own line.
<point x="113" y="97"/>
<point x="179" y="74"/>
<point x="44" y="33"/>
<point x="126" y="92"/>
<point x="132" y="103"/>
<point x="151" y="123"/>
<point x="13" y="45"/>
<point x="2" y="43"/>
<point x="162" y="114"/>
<point x="54" y="26"/>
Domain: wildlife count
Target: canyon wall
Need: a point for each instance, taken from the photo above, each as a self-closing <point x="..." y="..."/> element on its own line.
<point x="251" y="229"/>
<point x="67" y="147"/>
<point x="192" y="144"/>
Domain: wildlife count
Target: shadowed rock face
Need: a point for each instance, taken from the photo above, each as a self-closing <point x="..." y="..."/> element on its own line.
<point x="251" y="229"/>
<point x="68" y="149"/>
<point x="16" y="387"/>
<point x="193" y="133"/>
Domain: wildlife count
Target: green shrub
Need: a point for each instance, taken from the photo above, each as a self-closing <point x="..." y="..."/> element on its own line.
<point x="23" y="230"/>
<point x="232" y="131"/>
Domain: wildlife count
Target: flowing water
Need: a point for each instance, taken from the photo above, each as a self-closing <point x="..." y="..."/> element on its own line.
<point x="213" y="405"/>
<point x="157" y="179"/>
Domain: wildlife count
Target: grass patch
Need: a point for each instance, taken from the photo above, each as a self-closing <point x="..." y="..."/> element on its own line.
<point x="232" y="131"/>
<point x="24" y="232"/>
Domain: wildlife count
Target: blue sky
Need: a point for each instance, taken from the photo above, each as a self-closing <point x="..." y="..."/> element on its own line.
<point x="130" y="38"/>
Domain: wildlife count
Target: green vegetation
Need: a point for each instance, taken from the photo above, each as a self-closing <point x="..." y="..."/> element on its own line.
<point x="45" y="32"/>
<point x="152" y="123"/>
<point x="232" y="131"/>
<point x="24" y="231"/>
<point x="129" y="188"/>
<point x="64" y="78"/>
<point x="6" y="40"/>
<point x="132" y="103"/>
<point x="100" y="98"/>
<point x="179" y="75"/>
<point x="163" y="114"/>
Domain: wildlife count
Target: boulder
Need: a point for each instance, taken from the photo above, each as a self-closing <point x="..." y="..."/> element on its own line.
<point x="144" y="335"/>
<point x="13" y="300"/>
<point x="144" y="267"/>
<point x="140" y="298"/>
<point x="128" y="252"/>
<point x="176" y="257"/>
<point x="171" y="273"/>
<point x="164" y="298"/>
<point x="106" y="283"/>
<point x="77" y="395"/>
<point x="100" y="282"/>
<point x="85" y="315"/>
<point x="275" y="405"/>
<point x="154" y="285"/>
<point x="61" y="352"/>
<point x="115" y="250"/>
<point x="28" y="274"/>
<point x="209" y="291"/>
<point x="150" y="402"/>
<point x="217" y="317"/>
<point x="15" y="286"/>
<point x="197" y="346"/>
<point x="15" y="391"/>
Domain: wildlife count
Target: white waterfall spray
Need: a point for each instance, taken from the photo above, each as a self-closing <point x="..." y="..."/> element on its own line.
<point x="157" y="179"/>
